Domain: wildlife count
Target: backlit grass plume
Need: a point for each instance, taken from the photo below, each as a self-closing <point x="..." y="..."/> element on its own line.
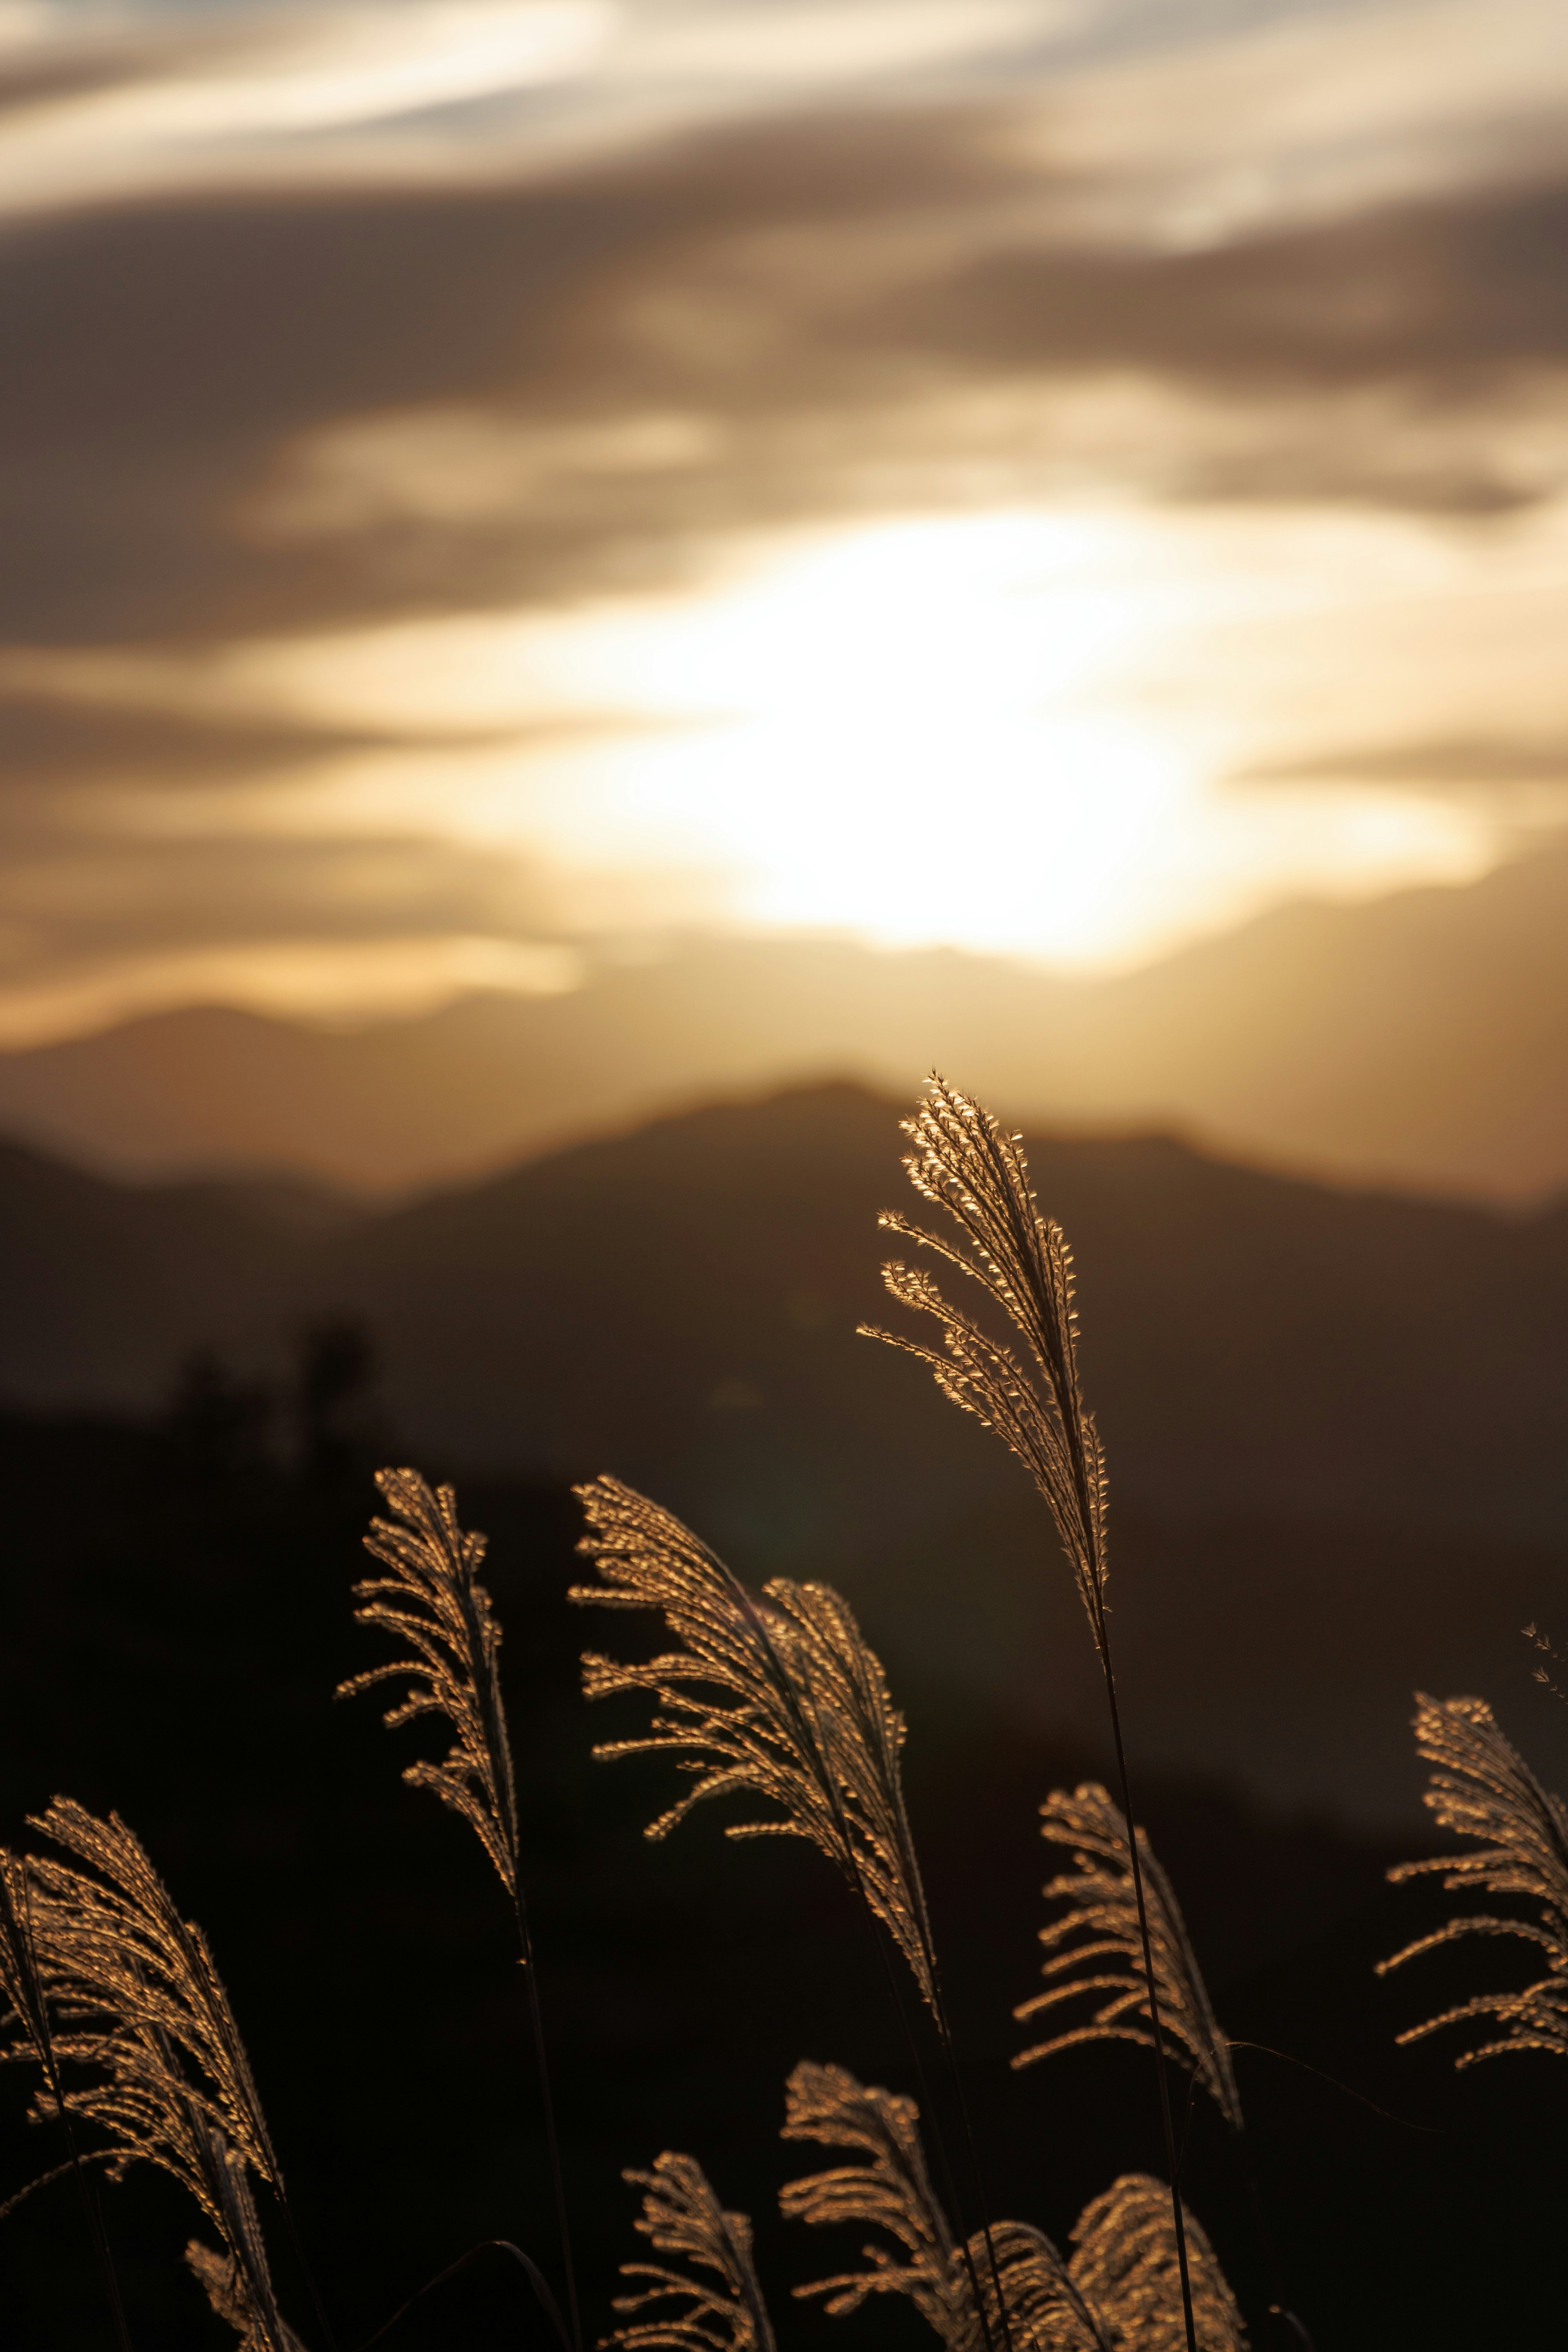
<point x="1120" y="2291"/>
<point x="27" y="2032"/>
<point x="964" y="1162"/>
<point x="1006" y="2286"/>
<point x="1126" y="2265"/>
<point x="775" y="1694"/>
<point x="1483" y="1789"/>
<point x="136" y="2003"/>
<point x="1094" y="1948"/>
<point x="714" y="2304"/>
<point x="431" y="1599"/>
<point x="889" y="2188"/>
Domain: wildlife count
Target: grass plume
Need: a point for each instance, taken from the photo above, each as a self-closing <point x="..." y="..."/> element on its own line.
<point x="1481" y="1788"/>
<point x="28" y="2033"/>
<point x="1099" y="1927"/>
<point x="889" y="2188"/>
<point x="964" y="1163"/>
<point x="714" y="2304"/>
<point x="773" y="1694"/>
<point x="1126" y="2264"/>
<point x="1003" y="2284"/>
<point x="1121" y="2288"/>
<point x="432" y="1600"/>
<point x="137" y="2004"/>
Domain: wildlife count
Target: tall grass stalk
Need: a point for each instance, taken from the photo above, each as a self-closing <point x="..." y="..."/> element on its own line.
<point x="964" y="1163"/>
<point x="431" y="1598"/>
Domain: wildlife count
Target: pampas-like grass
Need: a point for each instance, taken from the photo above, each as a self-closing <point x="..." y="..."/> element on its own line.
<point x="128" y="1991"/>
<point x="1008" y="2284"/>
<point x="1483" y="1788"/>
<point x="965" y="1164"/>
<point x="145" y="2009"/>
<point x="1120" y="2291"/>
<point x="26" y="2030"/>
<point x="1100" y="1923"/>
<point x="1125" y="2265"/>
<point x="714" y="2304"/>
<point x="431" y="1598"/>
<point x="773" y="1694"/>
<point x="889" y="2188"/>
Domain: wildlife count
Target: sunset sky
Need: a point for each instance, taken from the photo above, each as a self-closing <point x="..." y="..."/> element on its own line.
<point x="485" y="482"/>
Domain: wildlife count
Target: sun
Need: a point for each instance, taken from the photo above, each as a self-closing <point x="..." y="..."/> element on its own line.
<point x="1058" y="734"/>
<point x="954" y="730"/>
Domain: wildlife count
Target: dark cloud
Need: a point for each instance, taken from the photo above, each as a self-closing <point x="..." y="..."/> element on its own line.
<point x="1449" y="295"/>
<point x="46" y="744"/>
<point x="67" y="903"/>
<point x="812" y="291"/>
<point x="1457" y="764"/>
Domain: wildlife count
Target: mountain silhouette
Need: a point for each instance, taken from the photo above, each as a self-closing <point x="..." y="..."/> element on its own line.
<point x="1334" y="1419"/>
<point x="1419" y="1040"/>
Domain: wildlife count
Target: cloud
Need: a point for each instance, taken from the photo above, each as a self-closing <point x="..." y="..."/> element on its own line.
<point x="436" y="325"/>
<point x="234" y="416"/>
<point x="1446" y="763"/>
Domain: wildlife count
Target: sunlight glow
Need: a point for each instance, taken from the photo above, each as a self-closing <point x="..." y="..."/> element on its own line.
<point x="1081" y="736"/>
<point x="951" y="731"/>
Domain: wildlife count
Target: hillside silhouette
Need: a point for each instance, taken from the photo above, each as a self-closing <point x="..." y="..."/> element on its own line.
<point x="1334" y="1419"/>
<point x="1417" y="1040"/>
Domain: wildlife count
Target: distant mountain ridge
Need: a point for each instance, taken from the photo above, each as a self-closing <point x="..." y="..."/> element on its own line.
<point x="1335" y="1420"/>
<point x="656" y="1297"/>
<point x="1419" y="1041"/>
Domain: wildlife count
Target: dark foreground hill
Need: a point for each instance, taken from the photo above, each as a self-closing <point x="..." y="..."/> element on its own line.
<point x="1335" y="1420"/>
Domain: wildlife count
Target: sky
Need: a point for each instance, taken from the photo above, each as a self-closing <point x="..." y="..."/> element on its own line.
<point x="485" y="483"/>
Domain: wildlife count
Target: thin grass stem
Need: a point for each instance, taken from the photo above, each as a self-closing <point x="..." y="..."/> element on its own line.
<point x="536" y="2277"/>
<point x="547" y="2104"/>
<point x="1162" y="2070"/>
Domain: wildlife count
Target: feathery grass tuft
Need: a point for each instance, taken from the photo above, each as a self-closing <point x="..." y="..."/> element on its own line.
<point x="1483" y="1789"/>
<point x="1126" y="2264"/>
<point x="26" y="2030"/>
<point x="432" y="1599"/>
<point x="1100" y="1924"/>
<point x="138" y="2003"/>
<point x="790" y="1705"/>
<point x="1007" y="2284"/>
<point x="717" y="2303"/>
<point x="1121" y="2290"/>
<point x="890" y="2189"/>
<point x="966" y="1163"/>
